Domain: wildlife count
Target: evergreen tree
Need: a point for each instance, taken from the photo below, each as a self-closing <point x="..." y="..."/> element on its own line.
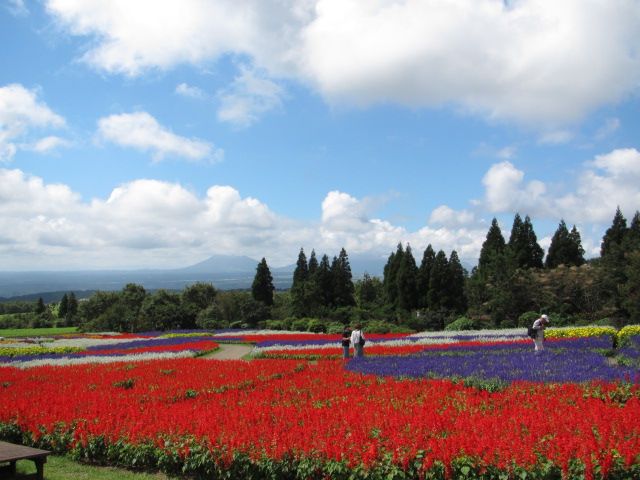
<point x="456" y="295"/>
<point x="576" y="252"/>
<point x="313" y="264"/>
<point x="262" y="287"/>
<point x="72" y="309"/>
<point x="632" y="239"/>
<point x="40" y="306"/>
<point x="424" y="273"/>
<point x="566" y="248"/>
<point x="343" y="288"/>
<point x="390" y="281"/>
<point x="301" y="273"/>
<point x="439" y="283"/>
<point x="494" y="245"/>
<point x="63" y="307"/>
<point x="368" y="290"/>
<point x="614" y="236"/>
<point x="406" y="280"/>
<point x="523" y="244"/>
<point x="324" y="281"/>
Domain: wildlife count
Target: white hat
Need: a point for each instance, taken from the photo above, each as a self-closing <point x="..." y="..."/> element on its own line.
<point x="544" y="317"/>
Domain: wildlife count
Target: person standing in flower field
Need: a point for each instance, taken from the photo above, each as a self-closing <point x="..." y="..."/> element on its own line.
<point x="539" y="325"/>
<point x="358" y="340"/>
<point x="346" y="342"/>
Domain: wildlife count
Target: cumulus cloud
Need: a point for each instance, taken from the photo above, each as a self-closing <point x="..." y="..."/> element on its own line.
<point x="608" y="181"/>
<point x="190" y="91"/>
<point x="250" y="96"/>
<point x="49" y="144"/>
<point x="448" y="217"/>
<point x="535" y="62"/>
<point x="141" y="131"/>
<point x="20" y="114"/>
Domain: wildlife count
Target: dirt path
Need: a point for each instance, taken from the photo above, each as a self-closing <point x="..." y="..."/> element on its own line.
<point x="230" y="351"/>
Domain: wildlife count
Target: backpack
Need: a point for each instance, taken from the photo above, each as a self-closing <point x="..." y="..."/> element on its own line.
<point x="532" y="332"/>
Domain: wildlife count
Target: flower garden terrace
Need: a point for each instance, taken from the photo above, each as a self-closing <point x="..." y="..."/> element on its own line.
<point x="284" y="417"/>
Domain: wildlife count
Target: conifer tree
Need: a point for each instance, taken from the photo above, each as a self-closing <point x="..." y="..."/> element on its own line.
<point x="343" y="288"/>
<point x="301" y="273"/>
<point x="566" y="248"/>
<point x="40" y="306"/>
<point x="632" y="238"/>
<point x="576" y="252"/>
<point x="614" y="236"/>
<point x="523" y="244"/>
<point x="406" y="280"/>
<point x="390" y="280"/>
<point x="494" y="245"/>
<point x="72" y="308"/>
<point x="424" y="272"/>
<point x="324" y="281"/>
<point x="63" y="307"/>
<point x="439" y="282"/>
<point x="313" y="264"/>
<point x="455" y="294"/>
<point x="262" y="287"/>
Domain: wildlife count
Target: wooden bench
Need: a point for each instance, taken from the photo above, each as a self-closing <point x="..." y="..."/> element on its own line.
<point x="10" y="453"/>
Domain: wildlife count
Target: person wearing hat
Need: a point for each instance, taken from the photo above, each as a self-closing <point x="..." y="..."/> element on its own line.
<point x="539" y="325"/>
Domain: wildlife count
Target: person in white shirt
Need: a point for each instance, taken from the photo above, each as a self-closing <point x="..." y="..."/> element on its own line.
<point x="539" y="325"/>
<point x="357" y="340"/>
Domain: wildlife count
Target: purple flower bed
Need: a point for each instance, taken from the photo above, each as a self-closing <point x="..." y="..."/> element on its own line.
<point x="562" y="361"/>
<point x="632" y="348"/>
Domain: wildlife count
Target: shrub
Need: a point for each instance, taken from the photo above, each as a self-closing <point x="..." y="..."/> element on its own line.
<point x="300" y="324"/>
<point x="527" y="319"/>
<point x="316" y="326"/>
<point x="461" y="323"/>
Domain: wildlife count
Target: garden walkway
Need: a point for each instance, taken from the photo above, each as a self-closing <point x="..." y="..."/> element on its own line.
<point x="230" y="351"/>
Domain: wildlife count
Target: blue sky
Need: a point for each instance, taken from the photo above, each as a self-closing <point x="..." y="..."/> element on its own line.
<point x="157" y="133"/>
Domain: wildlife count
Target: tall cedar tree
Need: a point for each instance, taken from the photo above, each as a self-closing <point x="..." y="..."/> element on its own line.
<point x="343" y="288"/>
<point x="632" y="239"/>
<point x="439" y="283"/>
<point x="40" y="307"/>
<point x="301" y="273"/>
<point x="494" y="245"/>
<point x="614" y="236"/>
<point x="73" y="305"/>
<point x="313" y="264"/>
<point x="424" y="273"/>
<point x="390" y="280"/>
<point x="523" y="244"/>
<point x="324" y="280"/>
<point x="457" y="299"/>
<point x="565" y="249"/>
<point x="63" y="307"/>
<point x="262" y="287"/>
<point x="406" y="280"/>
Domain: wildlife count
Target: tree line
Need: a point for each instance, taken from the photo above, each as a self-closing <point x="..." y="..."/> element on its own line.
<point x="512" y="282"/>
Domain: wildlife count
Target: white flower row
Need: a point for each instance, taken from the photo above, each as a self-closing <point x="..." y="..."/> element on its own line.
<point x="103" y="359"/>
<point x="507" y="332"/>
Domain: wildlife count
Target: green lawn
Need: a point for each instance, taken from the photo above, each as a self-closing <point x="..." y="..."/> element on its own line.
<point x="35" y="332"/>
<point x="61" y="468"/>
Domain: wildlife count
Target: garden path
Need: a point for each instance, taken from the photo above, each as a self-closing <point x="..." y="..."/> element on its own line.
<point x="230" y="351"/>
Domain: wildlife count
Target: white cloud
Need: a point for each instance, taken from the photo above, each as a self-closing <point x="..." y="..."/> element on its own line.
<point x="447" y="217"/>
<point x="250" y="95"/>
<point x="17" y="8"/>
<point x="556" y="137"/>
<point x="610" y="180"/>
<point x="190" y="91"/>
<point x="141" y="131"/>
<point x="540" y="63"/>
<point x="21" y="113"/>
<point x="49" y="144"/>
<point x="609" y="127"/>
<point x="505" y="192"/>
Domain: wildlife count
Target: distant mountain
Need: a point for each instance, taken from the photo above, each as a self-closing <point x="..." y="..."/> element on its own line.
<point x="223" y="264"/>
<point x="225" y="272"/>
